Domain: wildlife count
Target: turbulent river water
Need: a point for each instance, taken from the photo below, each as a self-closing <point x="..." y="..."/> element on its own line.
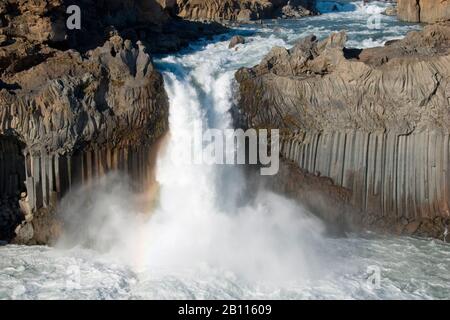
<point x="205" y="239"/>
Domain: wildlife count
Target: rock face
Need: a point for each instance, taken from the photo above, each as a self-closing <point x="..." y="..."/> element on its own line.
<point x="316" y="193"/>
<point x="428" y="11"/>
<point x="39" y="23"/>
<point x="391" y="11"/>
<point x="149" y="21"/>
<point x="244" y="10"/>
<point x="78" y="118"/>
<point x="11" y="186"/>
<point x="76" y="104"/>
<point x="71" y="99"/>
<point x="375" y="121"/>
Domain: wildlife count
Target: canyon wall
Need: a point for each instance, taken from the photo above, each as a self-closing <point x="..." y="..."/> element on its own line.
<point x="78" y="117"/>
<point x="373" y="121"/>
<point x="12" y="177"/>
<point x="428" y="11"/>
<point x="244" y="10"/>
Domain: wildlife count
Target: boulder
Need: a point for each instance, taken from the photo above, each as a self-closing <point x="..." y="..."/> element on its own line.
<point x="24" y="233"/>
<point x="391" y="11"/>
<point x="39" y="20"/>
<point x="235" y="41"/>
<point x="3" y="40"/>
<point x="296" y="9"/>
<point x="412" y="227"/>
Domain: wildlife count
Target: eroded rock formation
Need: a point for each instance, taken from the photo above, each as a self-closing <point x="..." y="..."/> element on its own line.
<point x="375" y="121"/>
<point x="36" y="24"/>
<point x="428" y="11"/>
<point x="235" y="41"/>
<point x="79" y="117"/>
<point x="244" y="10"/>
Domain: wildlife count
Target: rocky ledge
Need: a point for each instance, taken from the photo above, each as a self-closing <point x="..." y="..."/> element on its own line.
<point x="244" y="10"/>
<point x="374" y="123"/>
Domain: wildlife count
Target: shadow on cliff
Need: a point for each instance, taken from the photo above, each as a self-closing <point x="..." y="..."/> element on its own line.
<point x="159" y="29"/>
<point x="12" y="175"/>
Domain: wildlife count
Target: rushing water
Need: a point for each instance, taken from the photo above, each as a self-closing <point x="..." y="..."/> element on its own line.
<point x="205" y="239"/>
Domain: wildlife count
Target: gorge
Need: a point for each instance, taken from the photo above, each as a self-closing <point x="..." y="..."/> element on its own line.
<point x="363" y="115"/>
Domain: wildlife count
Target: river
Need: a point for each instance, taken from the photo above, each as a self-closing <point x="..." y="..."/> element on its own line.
<point x="206" y="238"/>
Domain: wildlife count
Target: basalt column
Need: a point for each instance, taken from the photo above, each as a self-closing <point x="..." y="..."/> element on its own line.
<point x="391" y="175"/>
<point x="12" y="177"/>
<point x="372" y="122"/>
<point x="79" y="118"/>
<point x="48" y="177"/>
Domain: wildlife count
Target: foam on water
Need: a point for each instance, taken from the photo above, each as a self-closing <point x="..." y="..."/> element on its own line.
<point x="410" y="269"/>
<point x="207" y="238"/>
<point x="359" y="20"/>
<point x="374" y="7"/>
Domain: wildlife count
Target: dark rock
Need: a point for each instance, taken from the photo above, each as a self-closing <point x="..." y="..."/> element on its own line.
<point x="412" y="227"/>
<point x="235" y="41"/>
<point x="3" y="40"/>
<point x="296" y="9"/>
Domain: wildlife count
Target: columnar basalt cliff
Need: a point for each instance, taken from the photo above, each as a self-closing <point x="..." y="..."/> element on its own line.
<point x="244" y="10"/>
<point x="375" y="122"/>
<point x="428" y="11"/>
<point x="80" y="117"/>
<point x="76" y="104"/>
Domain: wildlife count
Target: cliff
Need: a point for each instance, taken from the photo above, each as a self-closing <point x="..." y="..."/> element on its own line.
<point x="375" y="122"/>
<point x="243" y="10"/>
<point x="76" y="104"/>
<point x="428" y="11"/>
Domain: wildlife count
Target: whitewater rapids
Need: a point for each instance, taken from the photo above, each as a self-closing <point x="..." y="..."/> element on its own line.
<point x="207" y="238"/>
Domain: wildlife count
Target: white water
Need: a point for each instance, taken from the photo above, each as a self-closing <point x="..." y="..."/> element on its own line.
<point x="209" y="236"/>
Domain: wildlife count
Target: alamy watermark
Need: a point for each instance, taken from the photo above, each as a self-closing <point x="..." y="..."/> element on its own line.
<point x="73" y="278"/>
<point x="374" y="22"/>
<point x="229" y="147"/>
<point x="373" y="281"/>
<point x="74" y="20"/>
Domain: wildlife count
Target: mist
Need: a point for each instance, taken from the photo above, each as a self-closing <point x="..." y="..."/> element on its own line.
<point x="204" y="215"/>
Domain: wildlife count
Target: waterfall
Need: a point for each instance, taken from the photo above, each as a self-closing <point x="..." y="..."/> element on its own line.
<point x="213" y="231"/>
<point x="207" y="215"/>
